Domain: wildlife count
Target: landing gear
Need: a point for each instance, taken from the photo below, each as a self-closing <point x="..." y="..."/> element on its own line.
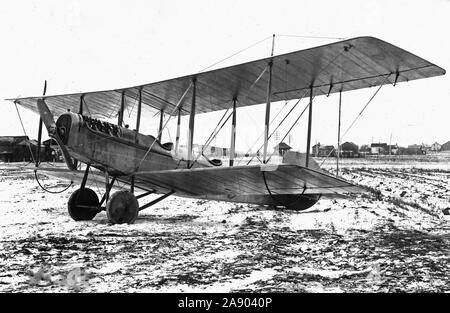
<point x="122" y="207"/>
<point x="83" y="205"/>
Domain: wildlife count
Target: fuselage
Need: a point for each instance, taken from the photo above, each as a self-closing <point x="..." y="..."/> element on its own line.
<point x="115" y="149"/>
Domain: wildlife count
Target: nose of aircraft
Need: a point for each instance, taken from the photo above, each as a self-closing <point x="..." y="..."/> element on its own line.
<point x="63" y="125"/>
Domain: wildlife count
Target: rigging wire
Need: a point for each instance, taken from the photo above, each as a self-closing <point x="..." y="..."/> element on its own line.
<point x="164" y="126"/>
<point x="279" y="124"/>
<point x="310" y="37"/>
<point x="319" y="72"/>
<point x="213" y="133"/>
<point x="356" y="118"/>
<point x="295" y="122"/>
<point x="236" y="53"/>
<point x="211" y="138"/>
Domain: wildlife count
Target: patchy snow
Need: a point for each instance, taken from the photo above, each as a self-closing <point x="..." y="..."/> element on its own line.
<point x="396" y="239"/>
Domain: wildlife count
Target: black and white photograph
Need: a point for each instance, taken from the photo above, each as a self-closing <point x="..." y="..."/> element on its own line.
<point x="224" y="147"/>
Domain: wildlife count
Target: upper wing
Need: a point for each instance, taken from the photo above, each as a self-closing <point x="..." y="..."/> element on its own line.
<point x="347" y="65"/>
<point x="231" y="182"/>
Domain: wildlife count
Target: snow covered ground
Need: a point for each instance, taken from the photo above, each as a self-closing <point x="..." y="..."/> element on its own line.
<point x="396" y="239"/>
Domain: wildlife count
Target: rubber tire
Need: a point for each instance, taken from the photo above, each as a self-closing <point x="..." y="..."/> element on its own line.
<point x="122" y="207"/>
<point x="88" y="197"/>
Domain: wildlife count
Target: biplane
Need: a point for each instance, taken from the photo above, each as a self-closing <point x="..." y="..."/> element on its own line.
<point x="143" y="161"/>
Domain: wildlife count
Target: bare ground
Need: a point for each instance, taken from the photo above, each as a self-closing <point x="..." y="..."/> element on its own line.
<point x="396" y="240"/>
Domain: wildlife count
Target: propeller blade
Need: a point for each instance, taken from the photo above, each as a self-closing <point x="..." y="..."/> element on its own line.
<point x="49" y="122"/>
<point x="65" y="153"/>
<point x="47" y="117"/>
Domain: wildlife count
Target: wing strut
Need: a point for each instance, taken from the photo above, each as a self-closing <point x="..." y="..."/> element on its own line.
<point x="269" y="93"/>
<point x="138" y="117"/>
<point x="38" y="152"/>
<point x="177" y="139"/>
<point x="308" y="143"/>
<point x="80" y="111"/>
<point x="267" y="120"/>
<point x="339" y="135"/>
<point x="233" y="133"/>
<point x="191" y="123"/>
<point x="161" y="121"/>
<point x="122" y="108"/>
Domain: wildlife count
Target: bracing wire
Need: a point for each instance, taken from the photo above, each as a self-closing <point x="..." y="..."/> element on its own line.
<point x="290" y="129"/>
<point x="279" y="124"/>
<point x="357" y="117"/>
<point x="208" y="142"/>
<point x="236" y="53"/>
<point x="310" y="37"/>
<point x="320" y="71"/>
<point x="164" y="126"/>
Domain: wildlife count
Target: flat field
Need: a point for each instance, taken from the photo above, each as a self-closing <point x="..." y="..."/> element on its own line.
<point x="394" y="240"/>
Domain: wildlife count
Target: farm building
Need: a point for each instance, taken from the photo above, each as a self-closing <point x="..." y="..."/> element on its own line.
<point x="349" y="150"/>
<point x="392" y="149"/>
<point x="323" y="151"/>
<point x="16" y="148"/>
<point x="22" y="149"/>
<point x="414" y="150"/>
<point x="364" y="150"/>
<point x="282" y="148"/>
<point x="446" y="146"/>
<point x="435" y="147"/>
<point x="379" y="148"/>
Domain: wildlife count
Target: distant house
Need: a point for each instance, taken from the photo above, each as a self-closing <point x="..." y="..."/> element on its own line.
<point x="379" y="148"/>
<point x="364" y="150"/>
<point x="323" y="151"/>
<point x="415" y="150"/>
<point x="15" y="149"/>
<point x="282" y="148"/>
<point x="349" y="150"/>
<point x="435" y="147"/>
<point x="446" y="146"/>
<point x="392" y="149"/>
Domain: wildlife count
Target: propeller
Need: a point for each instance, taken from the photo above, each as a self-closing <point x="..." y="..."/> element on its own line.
<point x="49" y="122"/>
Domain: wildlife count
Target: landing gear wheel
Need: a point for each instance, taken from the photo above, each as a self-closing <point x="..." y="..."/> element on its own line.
<point x="122" y="207"/>
<point x="83" y="205"/>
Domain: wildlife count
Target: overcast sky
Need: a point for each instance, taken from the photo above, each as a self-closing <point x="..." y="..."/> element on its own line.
<point x="94" y="45"/>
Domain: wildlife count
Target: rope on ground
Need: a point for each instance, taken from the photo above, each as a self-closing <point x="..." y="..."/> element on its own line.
<point x="49" y="191"/>
<point x="34" y="161"/>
